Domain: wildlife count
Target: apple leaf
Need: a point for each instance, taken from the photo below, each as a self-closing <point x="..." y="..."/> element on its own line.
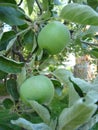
<point x="7" y="103"/>
<point x="30" y="4"/>
<point x="2" y="74"/>
<point x="93" y="3"/>
<point x="73" y="95"/>
<point x="6" y="40"/>
<point x="90" y="123"/>
<point x="63" y="75"/>
<point x="91" y="97"/>
<point x="21" y="77"/>
<point x="41" y="110"/>
<point x="30" y="126"/>
<point x="91" y="30"/>
<point x="11" y="43"/>
<point x="5" y="117"/>
<point x="83" y="85"/>
<point x="6" y="15"/>
<point x="10" y="66"/>
<point x="28" y="40"/>
<point x="79" y="13"/>
<point x="77" y="88"/>
<point x="94" y="52"/>
<point x="75" y="116"/>
<point x="12" y="88"/>
<point x="8" y="1"/>
<point x="45" y="5"/>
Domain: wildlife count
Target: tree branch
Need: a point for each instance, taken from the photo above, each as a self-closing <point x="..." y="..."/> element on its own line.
<point x="20" y="2"/>
<point x="39" y="6"/>
<point x="21" y="58"/>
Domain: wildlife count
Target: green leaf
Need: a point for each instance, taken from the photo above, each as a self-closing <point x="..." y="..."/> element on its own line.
<point x="77" y="115"/>
<point x="8" y="1"/>
<point x="34" y="45"/>
<point x="28" y="40"/>
<point x="23" y="27"/>
<point x="46" y="59"/>
<point x="6" y="15"/>
<point x="10" y="66"/>
<point x="5" y="39"/>
<point x="8" y="127"/>
<point x="5" y="117"/>
<point x="30" y="4"/>
<point x="7" y="103"/>
<point x="12" y="89"/>
<point x="56" y="83"/>
<point x="2" y="75"/>
<point x="5" y="127"/>
<point x="95" y="126"/>
<point x="91" y="31"/>
<point x="78" y="13"/>
<point x="11" y="43"/>
<point x="30" y="126"/>
<point x="94" y="52"/>
<point x="39" y="54"/>
<point x="96" y="37"/>
<point x="58" y="87"/>
<point x="93" y="3"/>
<point x="53" y="124"/>
<point x="77" y="88"/>
<point x="91" y="96"/>
<point x="45" y="5"/>
<point x="63" y="75"/>
<point x="45" y="15"/>
<point x="73" y="95"/>
<point x="3" y="91"/>
<point x="21" y="77"/>
<point x="90" y="123"/>
<point x="41" y="111"/>
<point x="83" y="85"/>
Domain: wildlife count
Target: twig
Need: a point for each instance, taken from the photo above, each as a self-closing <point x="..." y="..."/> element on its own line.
<point x="28" y="19"/>
<point x="21" y="58"/>
<point x="39" y="6"/>
<point x="20" y="2"/>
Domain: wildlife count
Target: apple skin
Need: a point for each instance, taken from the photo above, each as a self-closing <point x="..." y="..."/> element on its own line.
<point x="39" y="88"/>
<point x="54" y="37"/>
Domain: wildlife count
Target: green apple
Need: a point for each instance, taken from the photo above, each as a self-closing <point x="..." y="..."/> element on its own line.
<point x="54" y="37"/>
<point x="39" y="88"/>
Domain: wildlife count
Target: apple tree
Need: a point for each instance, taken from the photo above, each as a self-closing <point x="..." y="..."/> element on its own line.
<point x="36" y="36"/>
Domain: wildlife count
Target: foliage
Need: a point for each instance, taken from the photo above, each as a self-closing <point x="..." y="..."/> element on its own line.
<point x="74" y="106"/>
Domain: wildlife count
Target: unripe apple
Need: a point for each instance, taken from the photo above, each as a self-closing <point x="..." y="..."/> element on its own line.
<point x="39" y="88"/>
<point x="54" y="37"/>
